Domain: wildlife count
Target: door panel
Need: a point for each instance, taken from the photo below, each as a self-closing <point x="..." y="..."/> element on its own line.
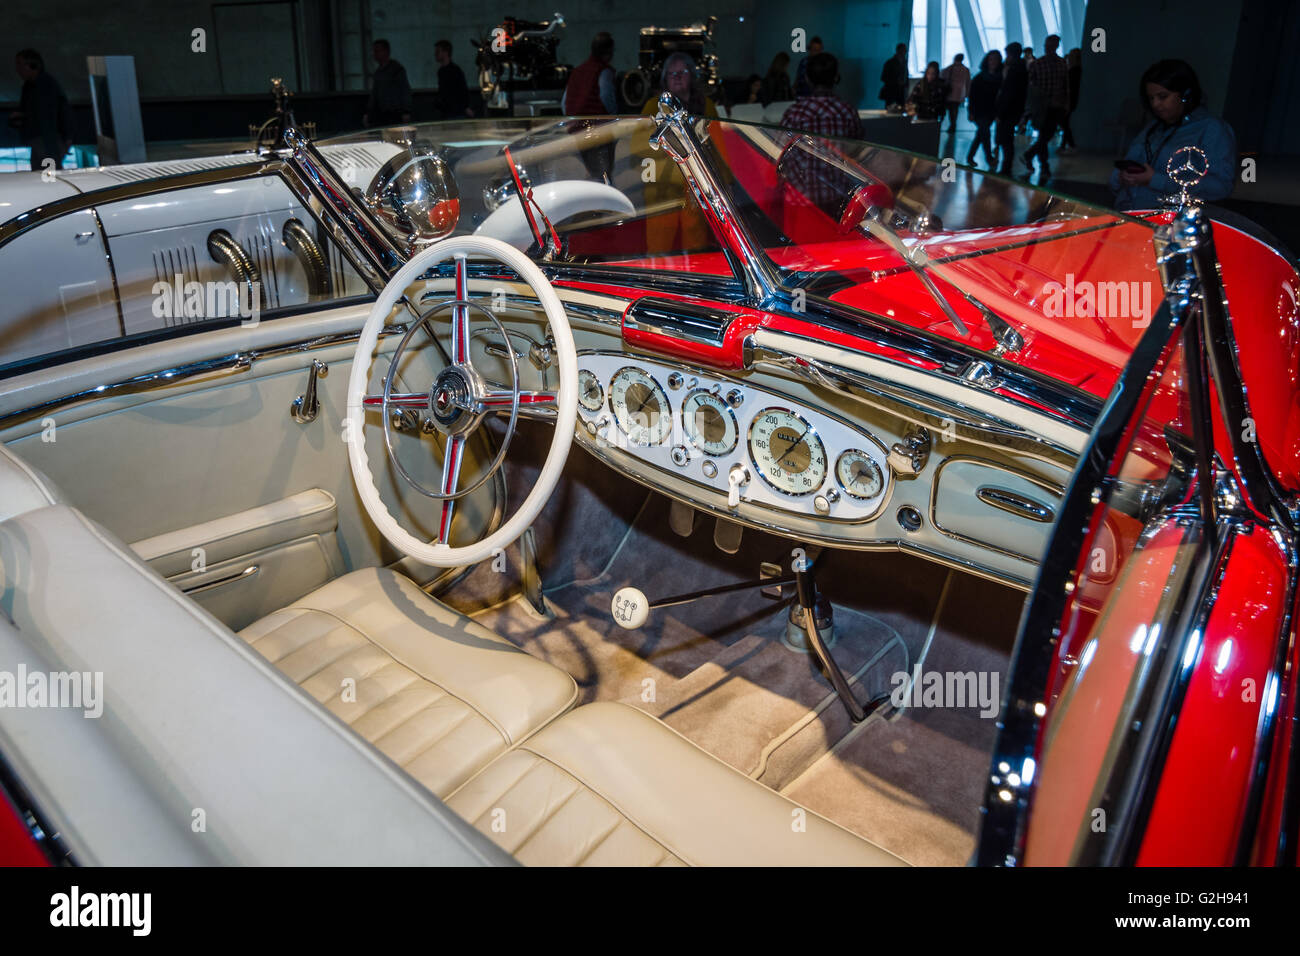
<point x="172" y="458"/>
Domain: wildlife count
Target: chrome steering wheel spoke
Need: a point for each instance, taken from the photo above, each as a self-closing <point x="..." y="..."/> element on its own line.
<point x="536" y="405"/>
<point x="451" y="461"/>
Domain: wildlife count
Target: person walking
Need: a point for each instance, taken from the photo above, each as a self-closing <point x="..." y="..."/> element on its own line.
<point x="1049" y="99"/>
<point x="1010" y="105"/>
<point x="1074" y="72"/>
<point x="390" y="91"/>
<point x="590" y="90"/>
<point x="957" y="77"/>
<point x="453" y="91"/>
<point x="893" y="78"/>
<point x="44" y="117"/>
<point x="984" y="107"/>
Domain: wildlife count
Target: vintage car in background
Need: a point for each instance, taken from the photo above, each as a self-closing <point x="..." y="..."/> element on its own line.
<point x="685" y="518"/>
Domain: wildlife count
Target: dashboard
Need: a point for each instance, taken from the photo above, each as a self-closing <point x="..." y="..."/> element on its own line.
<point x="738" y="440"/>
<point x="814" y="444"/>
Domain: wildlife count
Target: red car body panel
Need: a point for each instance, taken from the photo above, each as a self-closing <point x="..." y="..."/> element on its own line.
<point x="1084" y="719"/>
<point x="1199" y="807"/>
<point x="17" y="848"/>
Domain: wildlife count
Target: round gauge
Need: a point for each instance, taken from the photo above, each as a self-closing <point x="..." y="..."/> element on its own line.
<point x="787" y="452"/>
<point x="859" y="475"/>
<point x="640" y="406"/>
<point x="709" y="423"/>
<point x="590" y="395"/>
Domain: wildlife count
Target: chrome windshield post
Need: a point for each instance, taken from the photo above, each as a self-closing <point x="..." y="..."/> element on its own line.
<point x="353" y="226"/>
<point x="675" y="134"/>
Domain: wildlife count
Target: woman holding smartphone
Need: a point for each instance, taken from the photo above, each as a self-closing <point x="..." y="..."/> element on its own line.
<point x="1171" y="93"/>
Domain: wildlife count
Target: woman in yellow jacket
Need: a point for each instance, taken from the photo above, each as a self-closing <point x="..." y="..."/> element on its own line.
<point x="687" y="230"/>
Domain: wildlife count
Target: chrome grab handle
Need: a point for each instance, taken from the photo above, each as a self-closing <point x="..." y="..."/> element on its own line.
<point x="248" y="572"/>
<point x="305" y="407"/>
<point x="1016" y="504"/>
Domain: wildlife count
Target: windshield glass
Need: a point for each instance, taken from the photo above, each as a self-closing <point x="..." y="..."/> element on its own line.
<point x="888" y="236"/>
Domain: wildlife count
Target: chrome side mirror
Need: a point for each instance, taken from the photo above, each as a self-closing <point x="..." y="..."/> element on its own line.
<point x="414" y="197"/>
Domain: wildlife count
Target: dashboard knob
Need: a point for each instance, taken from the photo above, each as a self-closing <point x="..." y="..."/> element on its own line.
<point x="675" y="380"/>
<point x="736" y="478"/>
<point x="735" y="398"/>
<point x="680" y="456"/>
<point x="630" y="608"/>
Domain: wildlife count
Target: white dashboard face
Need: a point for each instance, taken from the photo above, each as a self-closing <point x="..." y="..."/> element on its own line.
<point x="786" y="456"/>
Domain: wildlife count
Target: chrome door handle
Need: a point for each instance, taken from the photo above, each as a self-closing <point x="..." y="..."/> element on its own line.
<point x="305" y="407"/>
<point x="1016" y="504"/>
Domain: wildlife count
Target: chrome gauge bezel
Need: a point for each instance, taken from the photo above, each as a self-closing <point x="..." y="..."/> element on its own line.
<point x="666" y="404"/>
<point x="884" y="479"/>
<point x="688" y="431"/>
<point x="600" y="388"/>
<point x="811" y="429"/>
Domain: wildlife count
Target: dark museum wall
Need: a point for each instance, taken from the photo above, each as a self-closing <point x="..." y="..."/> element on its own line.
<point x="318" y="46"/>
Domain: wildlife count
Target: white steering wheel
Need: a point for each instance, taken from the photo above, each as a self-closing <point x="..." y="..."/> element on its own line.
<point x="458" y="400"/>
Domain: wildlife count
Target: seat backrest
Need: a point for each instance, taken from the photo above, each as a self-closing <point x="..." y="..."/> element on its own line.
<point x="203" y="752"/>
<point x="22" y="487"/>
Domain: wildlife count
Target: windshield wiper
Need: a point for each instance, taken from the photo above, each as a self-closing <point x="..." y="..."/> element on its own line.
<point x="877" y="227"/>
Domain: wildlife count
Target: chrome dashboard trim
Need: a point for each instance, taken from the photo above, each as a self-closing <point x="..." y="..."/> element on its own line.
<point x="679" y="320"/>
<point x="843" y="381"/>
<point x="1016" y="504"/>
<point x="600" y="448"/>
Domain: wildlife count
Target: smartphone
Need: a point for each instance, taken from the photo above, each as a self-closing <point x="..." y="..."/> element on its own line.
<point x="1128" y="166"/>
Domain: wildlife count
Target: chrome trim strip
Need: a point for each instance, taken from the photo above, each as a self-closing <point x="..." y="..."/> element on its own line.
<point x="353" y="226"/>
<point x="843" y="380"/>
<point x="248" y="572"/>
<point x="112" y="269"/>
<point x="1018" y="505"/>
<point x="229" y="364"/>
<point x="25" y="221"/>
<point x="678" y="320"/>
<point x="760" y="278"/>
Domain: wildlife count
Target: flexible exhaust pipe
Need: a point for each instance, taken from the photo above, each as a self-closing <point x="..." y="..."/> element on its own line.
<point x="308" y="252"/>
<point x="224" y="249"/>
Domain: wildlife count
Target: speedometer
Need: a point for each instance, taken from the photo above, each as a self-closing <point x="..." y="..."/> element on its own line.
<point x="786" y="451"/>
<point x="640" y="406"/>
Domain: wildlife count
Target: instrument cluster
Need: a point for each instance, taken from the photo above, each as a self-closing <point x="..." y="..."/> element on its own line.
<point x="746" y="443"/>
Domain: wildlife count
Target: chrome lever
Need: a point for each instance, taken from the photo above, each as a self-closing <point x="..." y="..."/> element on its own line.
<point x="306" y="406"/>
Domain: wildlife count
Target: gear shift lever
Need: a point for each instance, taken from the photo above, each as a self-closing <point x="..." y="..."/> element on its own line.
<point x="630" y="609"/>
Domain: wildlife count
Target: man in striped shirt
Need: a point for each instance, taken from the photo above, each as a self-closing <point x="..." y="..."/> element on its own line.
<point x="1049" y="100"/>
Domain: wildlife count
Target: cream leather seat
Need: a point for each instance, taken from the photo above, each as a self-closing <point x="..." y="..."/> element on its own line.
<point x="608" y="784"/>
<point x="484" y="726"/>
<point x="194" y="720"/>
<point x="437" y="693"/>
